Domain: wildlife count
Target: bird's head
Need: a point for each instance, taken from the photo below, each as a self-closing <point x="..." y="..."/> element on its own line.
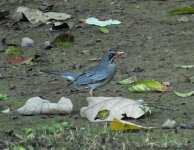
<point x="110" y="55"/>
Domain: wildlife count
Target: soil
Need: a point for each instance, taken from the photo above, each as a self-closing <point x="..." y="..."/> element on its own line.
<point x="154" y="42"/>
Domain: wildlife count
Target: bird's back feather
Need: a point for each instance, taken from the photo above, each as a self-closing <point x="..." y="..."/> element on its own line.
<point x="70" y="75"/>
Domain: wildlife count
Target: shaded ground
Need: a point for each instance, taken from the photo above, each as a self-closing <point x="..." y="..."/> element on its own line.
<point x="154" y="42"/>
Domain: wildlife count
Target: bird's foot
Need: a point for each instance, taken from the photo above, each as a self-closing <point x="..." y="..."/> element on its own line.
<point x="92" y="94"/>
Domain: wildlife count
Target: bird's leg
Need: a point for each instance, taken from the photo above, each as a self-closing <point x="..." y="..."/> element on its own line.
<point x="92" y="93"/>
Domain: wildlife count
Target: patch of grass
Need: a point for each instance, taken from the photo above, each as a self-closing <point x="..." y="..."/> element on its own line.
<point x="69" y="136"/>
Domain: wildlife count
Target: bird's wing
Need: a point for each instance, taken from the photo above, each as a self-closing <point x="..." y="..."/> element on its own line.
<point x="70" y="75"/>
<point x="91" y="71"/>
<point x="92" y="77"/>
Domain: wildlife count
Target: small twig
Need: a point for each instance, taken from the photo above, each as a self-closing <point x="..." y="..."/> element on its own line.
<point x="162" y="108"/>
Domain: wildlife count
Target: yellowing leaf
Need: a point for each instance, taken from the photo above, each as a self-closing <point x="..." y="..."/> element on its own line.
<point x="188" y="94"/>
<point x="147" y="85"/>
<point x="103" y="114"/>
<point x="128" y="80"/>
<point x="124" y="125"/>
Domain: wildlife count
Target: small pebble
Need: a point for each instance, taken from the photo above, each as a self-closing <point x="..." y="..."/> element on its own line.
<point x="47" y="43"/>
<point x="98" y="40"/>
<point x="169" y="124"/>
<point x="27" y="42"/>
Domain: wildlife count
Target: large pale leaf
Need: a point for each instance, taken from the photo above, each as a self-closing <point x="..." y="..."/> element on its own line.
<point x="147" y="85"/>
<point x="37" y="105"/>
<point x="37" y="16"/>
<point x="125" y="125"/>
<point x="108" y="108"/>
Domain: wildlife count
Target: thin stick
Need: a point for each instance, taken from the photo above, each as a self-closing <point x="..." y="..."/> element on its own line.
<point x="162" y="108"/>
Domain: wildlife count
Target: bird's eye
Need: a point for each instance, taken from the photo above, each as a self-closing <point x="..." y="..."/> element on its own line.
<point x="111" y="56"/>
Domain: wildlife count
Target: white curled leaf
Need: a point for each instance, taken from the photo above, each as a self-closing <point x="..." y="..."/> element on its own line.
<point x="37" y="105"/>
<point x="114" y="107"/>
<point x="95" y="21"/>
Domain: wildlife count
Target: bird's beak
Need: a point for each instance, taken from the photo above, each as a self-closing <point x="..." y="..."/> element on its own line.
<point x="119" y="53"/>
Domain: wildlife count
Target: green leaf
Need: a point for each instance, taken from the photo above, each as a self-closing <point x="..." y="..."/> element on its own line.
<point x="6" y="111"/>
<point x="104" y="30"/>
<point x="182" y="10"/>
<point x="147" y="85"/>
<point x="183" y="19"/>
<point x="13" y="50"/>
<point x="128" y="80"/>
<point x="30" y="148"/>
<point x="3" y="97"/>
<point x="63" y="40"/>
<point x="28" y="131"/>
<point x="188" y="94"/>
<point x="64" y="124"/>
<point x="184" y="66"/>
<point x="19" y="148"/>
<point x="53" y="128"/>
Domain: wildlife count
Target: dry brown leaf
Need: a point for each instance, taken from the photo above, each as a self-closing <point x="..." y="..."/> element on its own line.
<point x="117" y="107"/>
<point x="18" y="59"/>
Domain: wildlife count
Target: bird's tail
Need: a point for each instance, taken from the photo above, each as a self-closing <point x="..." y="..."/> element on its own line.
<point x="70" y="75"/>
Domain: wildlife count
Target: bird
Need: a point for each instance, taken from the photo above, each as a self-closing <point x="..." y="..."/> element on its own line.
<point x="95" y="76"/>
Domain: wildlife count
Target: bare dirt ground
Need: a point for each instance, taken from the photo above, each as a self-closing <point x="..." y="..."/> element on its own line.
<point x="154" y="42"/>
